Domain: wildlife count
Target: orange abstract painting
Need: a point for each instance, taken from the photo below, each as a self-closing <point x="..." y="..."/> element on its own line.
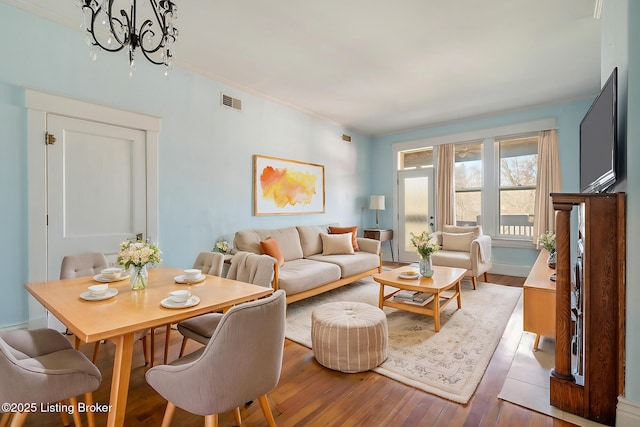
<point x="287" y="187"/>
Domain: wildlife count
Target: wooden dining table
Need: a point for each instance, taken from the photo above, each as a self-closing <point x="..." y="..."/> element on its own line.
<point x="117" y="319"/>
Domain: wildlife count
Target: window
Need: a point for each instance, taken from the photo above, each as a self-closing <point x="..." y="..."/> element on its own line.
<point x="495" y="176"/>
<point x="415" y="159"/>
<point x="518" y="169"/>
<point x="468" y="182"/>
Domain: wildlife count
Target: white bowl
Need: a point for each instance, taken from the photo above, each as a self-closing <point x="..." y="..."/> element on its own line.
<point x="98" y="290"/>
<point x="180" y="295"/>
<point x="111" y="273"/>
<point x="192" y="273"/>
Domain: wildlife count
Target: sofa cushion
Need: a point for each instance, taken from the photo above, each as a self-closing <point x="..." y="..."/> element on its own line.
<point x="342" y="230"/>
<point x="270" y="247"/>
<point x="350" y="264"/>
<point x="336" y="244"/>
<point x="310" y="238"/>
<point x="457" y="241"/>
<point x="302" y="274"/>
<point x="288" y="240"/>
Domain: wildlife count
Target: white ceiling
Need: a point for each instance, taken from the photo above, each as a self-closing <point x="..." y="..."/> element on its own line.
<point x="381" y="66"/>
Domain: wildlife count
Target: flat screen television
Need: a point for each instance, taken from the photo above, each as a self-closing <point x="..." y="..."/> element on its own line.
<point x="599" y="140"/>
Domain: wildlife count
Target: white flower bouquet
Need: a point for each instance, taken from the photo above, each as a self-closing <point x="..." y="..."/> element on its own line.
<point x="135" y="256"/>
<point x="424" y="244"/>
<point x="138" y="254"/>
<point x="222" y="246"/>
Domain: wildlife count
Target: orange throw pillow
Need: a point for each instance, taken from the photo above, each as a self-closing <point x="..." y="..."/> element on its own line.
<point x="270" y="247"/>
<point x="342" y="230"/>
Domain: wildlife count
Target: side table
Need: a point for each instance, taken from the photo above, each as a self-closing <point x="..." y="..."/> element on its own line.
<point x="382" y="236"/>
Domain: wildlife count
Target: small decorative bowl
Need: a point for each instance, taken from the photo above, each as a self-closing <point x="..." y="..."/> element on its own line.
<point x="180" y="295"/>
<point x="98" y="290"/>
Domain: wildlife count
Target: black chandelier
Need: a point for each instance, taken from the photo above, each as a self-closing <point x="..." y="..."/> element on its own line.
<point x="112" y="28"/>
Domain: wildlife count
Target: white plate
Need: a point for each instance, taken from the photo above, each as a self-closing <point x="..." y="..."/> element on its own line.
<point x="183" y="279"/>
<point x="169" y="303"/>
<point x="100" y="278"/>
<point x="88" y="296"/>
<point x="406" y="276"/>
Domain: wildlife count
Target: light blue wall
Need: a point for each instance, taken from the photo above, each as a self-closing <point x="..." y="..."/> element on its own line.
<point x="14" y="210"/>
<point x="205" y="150"/>
<point x="568" y="117"/>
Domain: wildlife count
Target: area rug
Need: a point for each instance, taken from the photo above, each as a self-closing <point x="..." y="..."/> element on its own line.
<point x="450" y="363"/>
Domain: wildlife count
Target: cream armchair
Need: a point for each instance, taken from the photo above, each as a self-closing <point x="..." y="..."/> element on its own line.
<point x="464" y="247"/>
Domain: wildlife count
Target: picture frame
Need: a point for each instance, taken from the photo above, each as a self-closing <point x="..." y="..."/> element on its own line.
<point x="287" y="187"/>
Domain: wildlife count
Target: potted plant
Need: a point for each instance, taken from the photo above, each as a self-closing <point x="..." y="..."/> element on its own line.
<point x="548" y="241"/>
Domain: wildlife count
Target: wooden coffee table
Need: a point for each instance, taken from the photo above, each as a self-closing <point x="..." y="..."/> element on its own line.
<point x="443" y="287"/>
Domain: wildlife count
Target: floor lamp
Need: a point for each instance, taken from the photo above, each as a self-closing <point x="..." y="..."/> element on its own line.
<point x="376" y="203"/>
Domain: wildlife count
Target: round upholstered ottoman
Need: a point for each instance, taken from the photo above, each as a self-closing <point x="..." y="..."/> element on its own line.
<point x="349" y="336"/>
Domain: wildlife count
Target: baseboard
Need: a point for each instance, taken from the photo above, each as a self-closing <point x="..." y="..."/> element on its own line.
<point x="35" y="323"/>
<point x="510" y="270"/>
<point x="627" y="413"/>
<point x="23" y="325"/>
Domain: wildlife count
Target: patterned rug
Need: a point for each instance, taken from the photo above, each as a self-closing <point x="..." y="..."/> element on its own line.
<point x="450" y="363"/>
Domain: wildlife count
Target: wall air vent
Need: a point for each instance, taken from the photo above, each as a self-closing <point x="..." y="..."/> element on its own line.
<point x="346" y="138"/>
<point x="230" y="102"/>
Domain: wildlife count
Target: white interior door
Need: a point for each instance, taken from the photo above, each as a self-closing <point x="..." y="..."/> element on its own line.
<point x="416" y="206"/>
<point x="96" y="188"/>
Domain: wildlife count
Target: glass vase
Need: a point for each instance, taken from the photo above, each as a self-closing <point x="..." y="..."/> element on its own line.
<point x="551" y="260"/>
<point x="426" y="269"/>
<point x="138" y="277"/>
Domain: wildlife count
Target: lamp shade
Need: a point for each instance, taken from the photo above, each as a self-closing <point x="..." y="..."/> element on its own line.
<point x="376" y="202"/>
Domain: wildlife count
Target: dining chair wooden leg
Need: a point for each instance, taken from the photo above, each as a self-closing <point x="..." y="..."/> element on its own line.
<point x="211" y="420"/>
<point x="63" y="415"/>
<point x="266" y="410"/>
<point x="168" y="414"/>
<point x="167" y="335"/>
<point x="96" y="349"/>
<point x="91" y="420"/>
<point x="18" y="419"/>
<point x="183" y="346"/>
<point x="77" y="421"/>
<point x="4" y="421"/>
<point x="486" y="276"/>
<point x="144" y="350"/>
<point x="236" y="414"/>
<point x="473" y="280"/>
<point x="152" y="352"/>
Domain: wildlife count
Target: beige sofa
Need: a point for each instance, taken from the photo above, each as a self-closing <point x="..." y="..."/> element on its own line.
<point x="306" y="271"/>
<point x="464" y="247"/>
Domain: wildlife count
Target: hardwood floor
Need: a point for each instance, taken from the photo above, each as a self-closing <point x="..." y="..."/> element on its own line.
<point x="311" y="395"/>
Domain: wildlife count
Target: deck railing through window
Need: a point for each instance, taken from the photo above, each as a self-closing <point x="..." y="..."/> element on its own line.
<point x="520" y="225"/>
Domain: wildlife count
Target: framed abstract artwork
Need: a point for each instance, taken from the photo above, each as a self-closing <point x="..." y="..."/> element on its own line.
<point x="287" y="187"/>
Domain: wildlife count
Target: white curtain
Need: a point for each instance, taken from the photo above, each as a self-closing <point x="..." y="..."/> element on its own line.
<point x="548" y="181"/>
<point x="446" y="196"/>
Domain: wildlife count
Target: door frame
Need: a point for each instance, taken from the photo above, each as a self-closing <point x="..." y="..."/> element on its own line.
<point x="38" y="105"/>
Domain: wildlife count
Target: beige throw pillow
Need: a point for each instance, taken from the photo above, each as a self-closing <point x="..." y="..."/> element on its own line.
<point x="457" y="241"/>
<point x="337" y="244"/>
